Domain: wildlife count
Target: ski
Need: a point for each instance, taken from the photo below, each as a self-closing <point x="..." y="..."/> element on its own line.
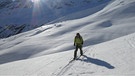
<point x="75" y="59"/>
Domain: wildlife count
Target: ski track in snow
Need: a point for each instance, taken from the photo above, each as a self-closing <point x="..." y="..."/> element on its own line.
<point x="37" y="71"/>
<point x="70" y="66"/>
<point x="131" y="42"/>
<point x="73" y="67"/>
<point x="102" y="54"/>
<point x="65" y="68"/>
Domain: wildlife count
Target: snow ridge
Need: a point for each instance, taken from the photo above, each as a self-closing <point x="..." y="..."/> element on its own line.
<point x="27" y="15"/>
<point x="109" y="44"/>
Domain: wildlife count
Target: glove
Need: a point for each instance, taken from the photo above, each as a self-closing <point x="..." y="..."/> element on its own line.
<point x="74" y="44"/>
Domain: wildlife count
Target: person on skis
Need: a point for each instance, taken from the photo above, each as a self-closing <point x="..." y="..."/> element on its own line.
<point x="78" y="42"/>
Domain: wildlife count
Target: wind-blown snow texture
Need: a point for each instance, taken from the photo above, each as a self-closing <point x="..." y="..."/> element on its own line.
<point x="109" y="44"/>
<point x="21" y="12"/>
<point x="23" y="15"/>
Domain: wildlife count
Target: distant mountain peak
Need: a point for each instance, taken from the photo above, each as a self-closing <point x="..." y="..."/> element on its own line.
<point x="17" y="13"/>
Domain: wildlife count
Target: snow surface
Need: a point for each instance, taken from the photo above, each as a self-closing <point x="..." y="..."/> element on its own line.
<point x="109" y="44"/>
<point x="23" y="15"/>
<point x="19" y="12"/>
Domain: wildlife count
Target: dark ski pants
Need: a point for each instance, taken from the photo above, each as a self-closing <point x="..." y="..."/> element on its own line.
<point x="75" y="52"/>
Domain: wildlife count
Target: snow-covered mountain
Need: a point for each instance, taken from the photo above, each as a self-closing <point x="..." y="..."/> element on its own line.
<point x="109" y="45"/>
<point x="18" y="16"/>
<point x="113" y="58"/>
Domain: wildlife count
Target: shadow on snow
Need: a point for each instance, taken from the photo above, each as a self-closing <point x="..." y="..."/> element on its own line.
<point x="97" y="62"/>
<point x="10" y="57"/>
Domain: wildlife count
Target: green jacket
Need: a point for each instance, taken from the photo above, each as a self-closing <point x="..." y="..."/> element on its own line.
<point x="78" y="41"/>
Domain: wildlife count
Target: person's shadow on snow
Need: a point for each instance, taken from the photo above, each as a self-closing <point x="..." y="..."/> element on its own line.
<point x="97" y="62"/>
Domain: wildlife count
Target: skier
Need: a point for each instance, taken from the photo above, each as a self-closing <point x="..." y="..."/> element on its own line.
<point x="78" y="42"/>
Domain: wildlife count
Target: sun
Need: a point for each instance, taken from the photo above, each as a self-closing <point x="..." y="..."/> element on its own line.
<point x="35" y="1"/>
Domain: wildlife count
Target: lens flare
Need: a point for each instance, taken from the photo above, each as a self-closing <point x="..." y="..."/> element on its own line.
<point x="36" y="14"/>
<point x="35" y="1"/>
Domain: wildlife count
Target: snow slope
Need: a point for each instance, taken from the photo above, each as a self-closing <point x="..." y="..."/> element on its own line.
<point x="48" y="49"/>
<point x="20" y="12"/>
<point x="23" y="15"/>
<point x="116" y="58"/>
